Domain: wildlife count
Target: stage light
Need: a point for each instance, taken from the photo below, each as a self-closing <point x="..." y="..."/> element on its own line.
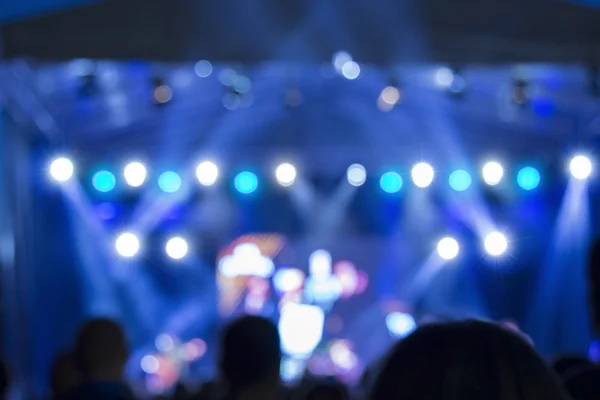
<point x="448" y="248"/>
<point x="460" y="180"/>
<point x="135" y="174"/>
<point x="391" y="182"/>
<point x="285" y="174"/>
<point x="528" y="178"/>
<point x="340" y="59"/>
<point x="495" y="244"/>
<point x="203" y="69"/>
<point x="104" y="181"/>
<point x="150" y="364"/>
<point x="444" y="77"/>
<point x="127" y="245"/>
<point x="177" y="248"/>
<point x="61" y="169"/>
<point x="581" y="167"/>
<point x="351" y="70"/>
<point x="492" y="173"/>
<point x="400" y="324"/>
<point x="207" y="173"/>
<point x="390" y="95"/>
<point x="356" y="175"/>
<point x="246" y="182"/>
<point x="422" y="175"/>
<point x="169" y="182"/>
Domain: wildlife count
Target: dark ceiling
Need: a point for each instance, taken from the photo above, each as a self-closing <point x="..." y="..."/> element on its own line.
<point x="376" y="31"/>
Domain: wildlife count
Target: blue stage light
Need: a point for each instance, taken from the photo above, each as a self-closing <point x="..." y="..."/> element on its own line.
<point x="391" y="182"/>
<point x="169" y="182"/>
<point x="104" y="181"/>
<point x="460" y="180"/>
<point x="246" y="182"/>
<point x="528" y="178"/>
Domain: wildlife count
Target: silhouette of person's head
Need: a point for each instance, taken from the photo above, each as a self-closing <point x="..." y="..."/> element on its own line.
<point x="594" y="285"/>
<point x="327" y="391"/>
<point x="101" y="350"/>
<point x="64" y="375"/>
<point x="463" y="361"/>
<point x="251" y="354"/>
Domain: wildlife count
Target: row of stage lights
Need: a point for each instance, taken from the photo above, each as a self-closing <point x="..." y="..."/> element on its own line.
<point x="128" y="245"/>
<point x="246" y="182"/>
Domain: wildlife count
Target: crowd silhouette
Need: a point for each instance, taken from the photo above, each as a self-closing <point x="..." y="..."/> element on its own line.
<point x="461" y="360"/>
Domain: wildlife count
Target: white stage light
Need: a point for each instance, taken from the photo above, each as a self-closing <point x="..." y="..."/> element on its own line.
<point x="581" y="167"/>
<point x="448" y="248"/>
<point x="177" y="248"/>
<point x="61" y="169"/>
<point x="496" y="244"/>
<point x="135" y="174"/>
<point x="492" y="173"/>
<point x="285" y="174"/>
<point x="207" y="173"/>
<point x="357" y="175"/>
<point x="422" y="175"/>
<point x="127" y="245"/>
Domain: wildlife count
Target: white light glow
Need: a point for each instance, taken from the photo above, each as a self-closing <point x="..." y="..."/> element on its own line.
<point x="400" y="324"/>
<point x="357" y="175"/>
<point x="150" y="364"/>
<point x="351" y="70"/>
<point x="207" y="173"/>
<point x="448" y="248"/>
<point x="581" y="167"/>
<point x="61" y="169"/>
<point x="444" y="77"/>
<point x="496" y="244"/>
<point x="492" y="173"/>
<point x="127" y="245"/>
<point x="246" y="260"/>
<point x="177" y="248"/>
<point x="301" y="329"/>
<point x="422" y="175"/>
<point x="285" y="174"/>
<point x="135" y="174"/>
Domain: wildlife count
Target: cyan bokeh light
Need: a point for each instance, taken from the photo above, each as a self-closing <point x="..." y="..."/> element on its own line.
<point x="528" y="178"/>
<point x="169" y="182"/>
<point x="104" y="181"/>
<point x="246" y="182"/>
<point x="391" y="182"/>
<point x="460" y="180"/>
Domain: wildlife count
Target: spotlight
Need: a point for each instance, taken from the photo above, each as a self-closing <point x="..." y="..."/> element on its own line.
<point x="127" y="245"/>
<point x="422" y="175"/>
<point x="448" y="248"/>
<point x="177" y="248"/>
<point x="451" y="79"/>
<point x="135" y="174"/>
<point x="495" y="244"/>
<point x="61" y="169"/>
<point x="460" y="180"/>
<point x="203" y="69"/>
<point x="104" y="181"/>
<point x="207" y="173"/>
<point x="391" y="95"/>
<point x="581" y="167"/>
<point x="162" y="93"/>
<point x="246" y="182"/>
<point x="391" y="182"/>
<point x="285" y="174"/>
<point x="356" y="175"/>
<point x="444" y="77"/>
<point x="351" y="70"/>
<point x="492" y="173"/>
<point x="169" y="182"/>
<point x="528" y="178"/>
